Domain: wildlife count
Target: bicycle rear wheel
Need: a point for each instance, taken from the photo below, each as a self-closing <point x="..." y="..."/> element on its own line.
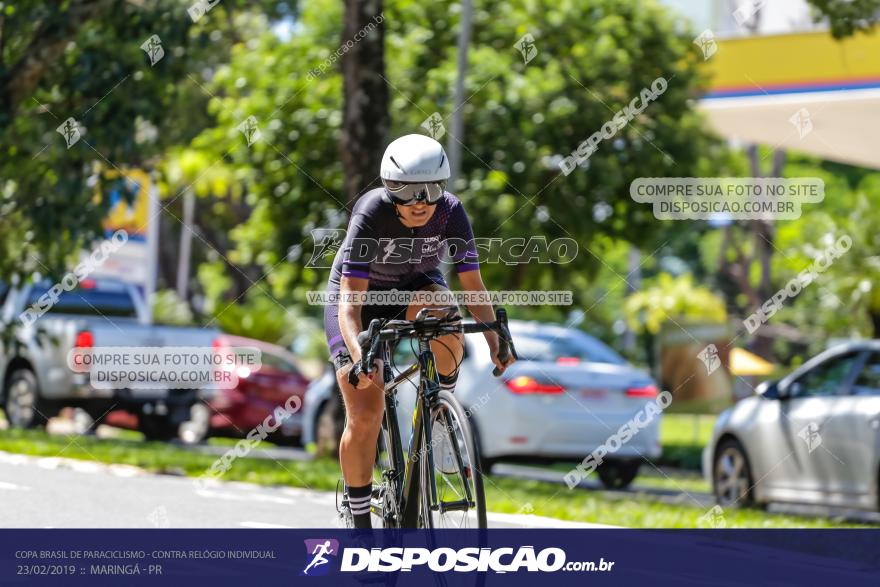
<point x="461" y="500"/>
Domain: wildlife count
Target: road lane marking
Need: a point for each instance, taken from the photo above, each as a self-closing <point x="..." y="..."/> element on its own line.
<point x="532" y="521"/>
<point x="13" y="486"/>
<point x="252" y="497"/>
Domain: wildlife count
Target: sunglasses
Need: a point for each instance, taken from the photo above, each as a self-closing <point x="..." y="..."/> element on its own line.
<point x="408" y="194"/>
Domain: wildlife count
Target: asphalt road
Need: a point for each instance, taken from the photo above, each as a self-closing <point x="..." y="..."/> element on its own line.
<point x="63" y="493"/>
<point x="635" y="491"/>
<point x="675" y="497"/>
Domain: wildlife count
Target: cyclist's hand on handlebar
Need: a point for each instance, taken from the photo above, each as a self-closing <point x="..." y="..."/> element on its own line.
<point x="494" y="351"/>
<point x="502" y="365"/>
<point x="367" y="379"/>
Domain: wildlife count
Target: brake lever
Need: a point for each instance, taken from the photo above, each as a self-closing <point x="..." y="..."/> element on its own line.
<point x="505" y="340"/>
<point x="369" y="342"/>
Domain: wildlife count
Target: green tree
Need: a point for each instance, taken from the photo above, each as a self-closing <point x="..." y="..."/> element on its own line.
<point x="847" y="17"/>
<point x="672" y="298"/>
<point x="521" y="119"/>
<point x="844" y="300"/>
<point x="83" y="60"/>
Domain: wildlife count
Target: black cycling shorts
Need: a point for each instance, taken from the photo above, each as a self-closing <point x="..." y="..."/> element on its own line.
<point x="338" y="351"/>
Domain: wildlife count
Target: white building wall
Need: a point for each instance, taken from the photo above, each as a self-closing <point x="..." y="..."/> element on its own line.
<point x="728" y="18"/>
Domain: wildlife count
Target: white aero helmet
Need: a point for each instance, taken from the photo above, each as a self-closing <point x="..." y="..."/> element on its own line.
<point x="414" y="169"/>
<point x="414" y="159"/>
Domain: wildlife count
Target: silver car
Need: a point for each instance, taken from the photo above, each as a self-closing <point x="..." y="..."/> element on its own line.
<point x="565" y="397"/>
<point x="812" y="437"/>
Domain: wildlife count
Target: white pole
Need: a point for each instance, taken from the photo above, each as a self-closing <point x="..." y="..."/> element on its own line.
<point x="456" y="135"/>
<point x="186" y="232"/>
<point x="153" y="214"/>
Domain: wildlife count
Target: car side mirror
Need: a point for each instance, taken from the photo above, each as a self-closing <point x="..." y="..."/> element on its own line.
<point x="768" y="389"/>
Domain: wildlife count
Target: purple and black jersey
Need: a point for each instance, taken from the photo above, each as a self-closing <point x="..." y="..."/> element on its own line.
<point x="378" y="247"/>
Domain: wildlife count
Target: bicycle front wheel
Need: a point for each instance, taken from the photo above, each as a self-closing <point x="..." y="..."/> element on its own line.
<point x="460" y="498"/>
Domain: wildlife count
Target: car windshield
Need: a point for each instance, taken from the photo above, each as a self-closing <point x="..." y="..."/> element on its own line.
<point x="573" y="344"/>
<point x="88" y="301"/>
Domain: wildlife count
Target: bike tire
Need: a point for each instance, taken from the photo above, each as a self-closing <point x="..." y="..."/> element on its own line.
<point x="446" y="401"/>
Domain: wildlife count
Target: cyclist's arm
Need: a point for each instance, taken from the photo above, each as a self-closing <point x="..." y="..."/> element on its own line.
<point x="350" y="313"/>
<point x="472" y="281"/>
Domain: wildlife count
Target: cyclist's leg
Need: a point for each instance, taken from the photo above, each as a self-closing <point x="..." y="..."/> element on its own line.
<point x="363" y="417"/>
<point x="448" y="350"/>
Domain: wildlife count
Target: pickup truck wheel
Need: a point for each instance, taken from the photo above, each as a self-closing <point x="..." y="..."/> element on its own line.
<point x="23" y="406"/>
<point x="329" y="426"/>
<point x="159" y="428"/>
<point x="618" y="474"/>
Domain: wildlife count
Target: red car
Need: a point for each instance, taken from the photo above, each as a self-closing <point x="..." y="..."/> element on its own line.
<point x="237" y="411"/>
<point x="259" y="393"/>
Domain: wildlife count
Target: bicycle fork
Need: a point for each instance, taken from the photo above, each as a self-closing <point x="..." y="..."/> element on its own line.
<point x="429" y="387"/>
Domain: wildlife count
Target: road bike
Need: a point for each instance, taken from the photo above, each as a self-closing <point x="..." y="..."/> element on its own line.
<point x="437" y="482"/>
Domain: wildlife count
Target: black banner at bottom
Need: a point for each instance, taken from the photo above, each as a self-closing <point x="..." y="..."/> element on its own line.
<point x="444" y="557"/>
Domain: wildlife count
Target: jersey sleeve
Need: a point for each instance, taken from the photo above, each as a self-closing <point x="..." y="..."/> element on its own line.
<point x="357" y="252"/>
<point x="459" y="231"/>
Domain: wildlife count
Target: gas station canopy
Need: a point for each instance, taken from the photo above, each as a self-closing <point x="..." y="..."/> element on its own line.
<point x="804" y="91"/>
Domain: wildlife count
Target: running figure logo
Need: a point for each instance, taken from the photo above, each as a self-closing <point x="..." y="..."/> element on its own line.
<point x="319" y="549"/>
<point x="327" y="242"/>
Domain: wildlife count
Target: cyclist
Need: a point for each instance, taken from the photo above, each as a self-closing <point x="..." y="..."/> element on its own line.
<point x="396" y="239"/>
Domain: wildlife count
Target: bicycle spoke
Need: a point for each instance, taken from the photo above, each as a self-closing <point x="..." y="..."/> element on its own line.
<point x="454" y="471"/>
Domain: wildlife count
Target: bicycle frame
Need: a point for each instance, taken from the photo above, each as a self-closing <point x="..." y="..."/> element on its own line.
<point x="401" y="477"/>
<point x="404" y="472"/>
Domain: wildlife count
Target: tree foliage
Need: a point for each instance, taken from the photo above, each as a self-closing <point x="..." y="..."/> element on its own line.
<point x="672" y="298"/>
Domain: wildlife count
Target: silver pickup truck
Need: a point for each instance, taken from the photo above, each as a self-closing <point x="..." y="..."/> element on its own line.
<point x="39" y="329"/>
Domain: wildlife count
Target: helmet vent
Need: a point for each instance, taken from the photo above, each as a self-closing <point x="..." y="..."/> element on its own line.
<point x="442" y="159"/>
<point x="397" y="164"/>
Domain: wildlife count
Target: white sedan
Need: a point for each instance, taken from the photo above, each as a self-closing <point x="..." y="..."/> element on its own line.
<point x="566" y="397"/>
<point x="812" y="437"/>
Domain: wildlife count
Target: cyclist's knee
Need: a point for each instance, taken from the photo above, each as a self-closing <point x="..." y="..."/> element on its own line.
<point x="364" y="424"/>
<point x="449" y="351"/>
